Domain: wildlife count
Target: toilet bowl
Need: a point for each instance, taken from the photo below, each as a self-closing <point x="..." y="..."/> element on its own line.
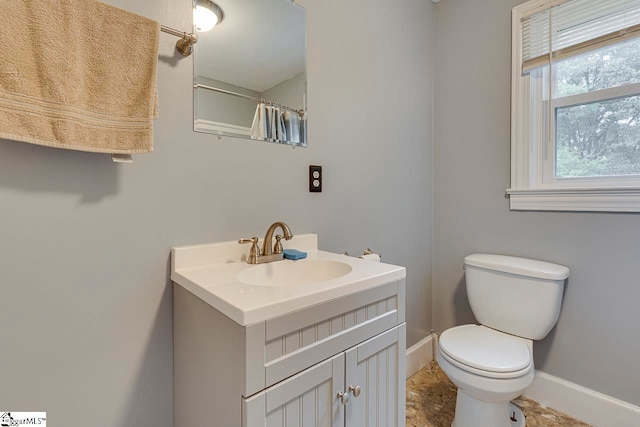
<point x="489" y="368"/>
<point x="516" y="301"/>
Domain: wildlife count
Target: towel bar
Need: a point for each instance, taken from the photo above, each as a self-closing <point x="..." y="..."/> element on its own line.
<point x="186" y="42"/>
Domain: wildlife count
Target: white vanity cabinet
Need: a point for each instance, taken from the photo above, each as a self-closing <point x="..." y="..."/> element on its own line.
<point x="368" y="375"/>
<point x="288" y="371"/>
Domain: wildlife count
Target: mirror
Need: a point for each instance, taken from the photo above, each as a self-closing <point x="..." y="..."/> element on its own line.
<point x="250" y="77"/>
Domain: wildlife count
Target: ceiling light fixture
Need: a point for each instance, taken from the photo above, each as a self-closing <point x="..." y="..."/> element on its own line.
<point x="206" y="15"/>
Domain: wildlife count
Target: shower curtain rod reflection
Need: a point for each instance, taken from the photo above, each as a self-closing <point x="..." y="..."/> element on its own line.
<point x="241" y="95"/>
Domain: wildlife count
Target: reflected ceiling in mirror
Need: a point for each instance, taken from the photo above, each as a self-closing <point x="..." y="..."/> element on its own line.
<point x="250" y="72"/>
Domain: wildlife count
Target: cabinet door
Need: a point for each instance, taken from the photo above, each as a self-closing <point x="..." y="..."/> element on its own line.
<point x="377" y="367"/>
<point x="307" y="399"/>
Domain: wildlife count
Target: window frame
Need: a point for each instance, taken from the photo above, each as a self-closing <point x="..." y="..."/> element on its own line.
<point x="533" y="182"/>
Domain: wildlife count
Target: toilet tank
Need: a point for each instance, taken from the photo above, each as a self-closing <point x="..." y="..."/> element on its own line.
<point x="518" y="296"/>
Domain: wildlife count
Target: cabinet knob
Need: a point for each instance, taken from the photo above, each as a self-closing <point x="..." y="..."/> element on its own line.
<point x="344" y="398"/>
<point x="355" y="390"/>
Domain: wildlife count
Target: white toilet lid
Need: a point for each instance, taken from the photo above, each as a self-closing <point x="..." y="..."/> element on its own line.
<point x="485" y="348"/>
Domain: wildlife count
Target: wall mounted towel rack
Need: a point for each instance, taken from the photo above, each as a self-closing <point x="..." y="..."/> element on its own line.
<point x="186" y="42"/>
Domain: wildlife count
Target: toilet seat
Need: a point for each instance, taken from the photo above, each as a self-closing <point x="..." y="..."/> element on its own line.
<point x="486" y="352"/>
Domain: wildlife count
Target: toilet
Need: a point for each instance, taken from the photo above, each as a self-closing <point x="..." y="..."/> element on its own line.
<point x="516" y="301"/>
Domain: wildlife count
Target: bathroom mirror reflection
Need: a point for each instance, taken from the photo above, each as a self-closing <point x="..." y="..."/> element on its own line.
<point x="250" y="71"/>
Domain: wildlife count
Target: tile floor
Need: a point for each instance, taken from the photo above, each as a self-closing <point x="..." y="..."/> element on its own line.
<point x="431" y="402"/>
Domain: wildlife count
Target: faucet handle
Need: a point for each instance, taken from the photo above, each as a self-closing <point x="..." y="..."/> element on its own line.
<point x="277" y="247"/>
<point x="254" y="252"/>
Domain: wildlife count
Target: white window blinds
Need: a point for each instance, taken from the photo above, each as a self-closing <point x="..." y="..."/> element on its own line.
<point x="576" y="26"/>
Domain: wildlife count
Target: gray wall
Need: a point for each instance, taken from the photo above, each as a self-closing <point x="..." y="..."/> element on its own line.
<point x="289" y="92"/>
<point x="86" y="322"/>
<point x="220" y="107"/>
<point x="595" y="343"/>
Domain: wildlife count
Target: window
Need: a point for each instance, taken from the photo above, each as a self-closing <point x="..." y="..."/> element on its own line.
<point x="576" y="106"/>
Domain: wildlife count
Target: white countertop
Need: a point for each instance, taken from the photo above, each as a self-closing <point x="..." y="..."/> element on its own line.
<point x="210" y="272"/>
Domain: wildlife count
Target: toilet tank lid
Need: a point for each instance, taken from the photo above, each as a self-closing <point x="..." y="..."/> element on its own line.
<point x="519" y="266"/>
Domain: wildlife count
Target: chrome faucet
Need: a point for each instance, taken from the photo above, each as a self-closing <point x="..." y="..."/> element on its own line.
<point x="267" y="254"/>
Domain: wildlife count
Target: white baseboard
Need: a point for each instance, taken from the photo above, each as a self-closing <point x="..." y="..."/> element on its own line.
<point x="420" y="355"/>
<point x="581" y="403"/>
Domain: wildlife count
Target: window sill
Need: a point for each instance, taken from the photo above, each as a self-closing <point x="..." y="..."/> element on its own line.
<point x="576" y="199"/>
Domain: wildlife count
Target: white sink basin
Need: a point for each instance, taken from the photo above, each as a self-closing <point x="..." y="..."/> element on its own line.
<point x="294" y="273"/>
<point x="218" y="274"/>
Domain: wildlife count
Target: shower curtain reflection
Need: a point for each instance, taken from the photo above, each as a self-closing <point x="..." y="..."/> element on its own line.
<point x="274" y="124"/>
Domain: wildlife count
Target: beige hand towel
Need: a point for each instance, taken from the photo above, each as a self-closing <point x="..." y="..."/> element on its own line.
<point x="77" y="74"/>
